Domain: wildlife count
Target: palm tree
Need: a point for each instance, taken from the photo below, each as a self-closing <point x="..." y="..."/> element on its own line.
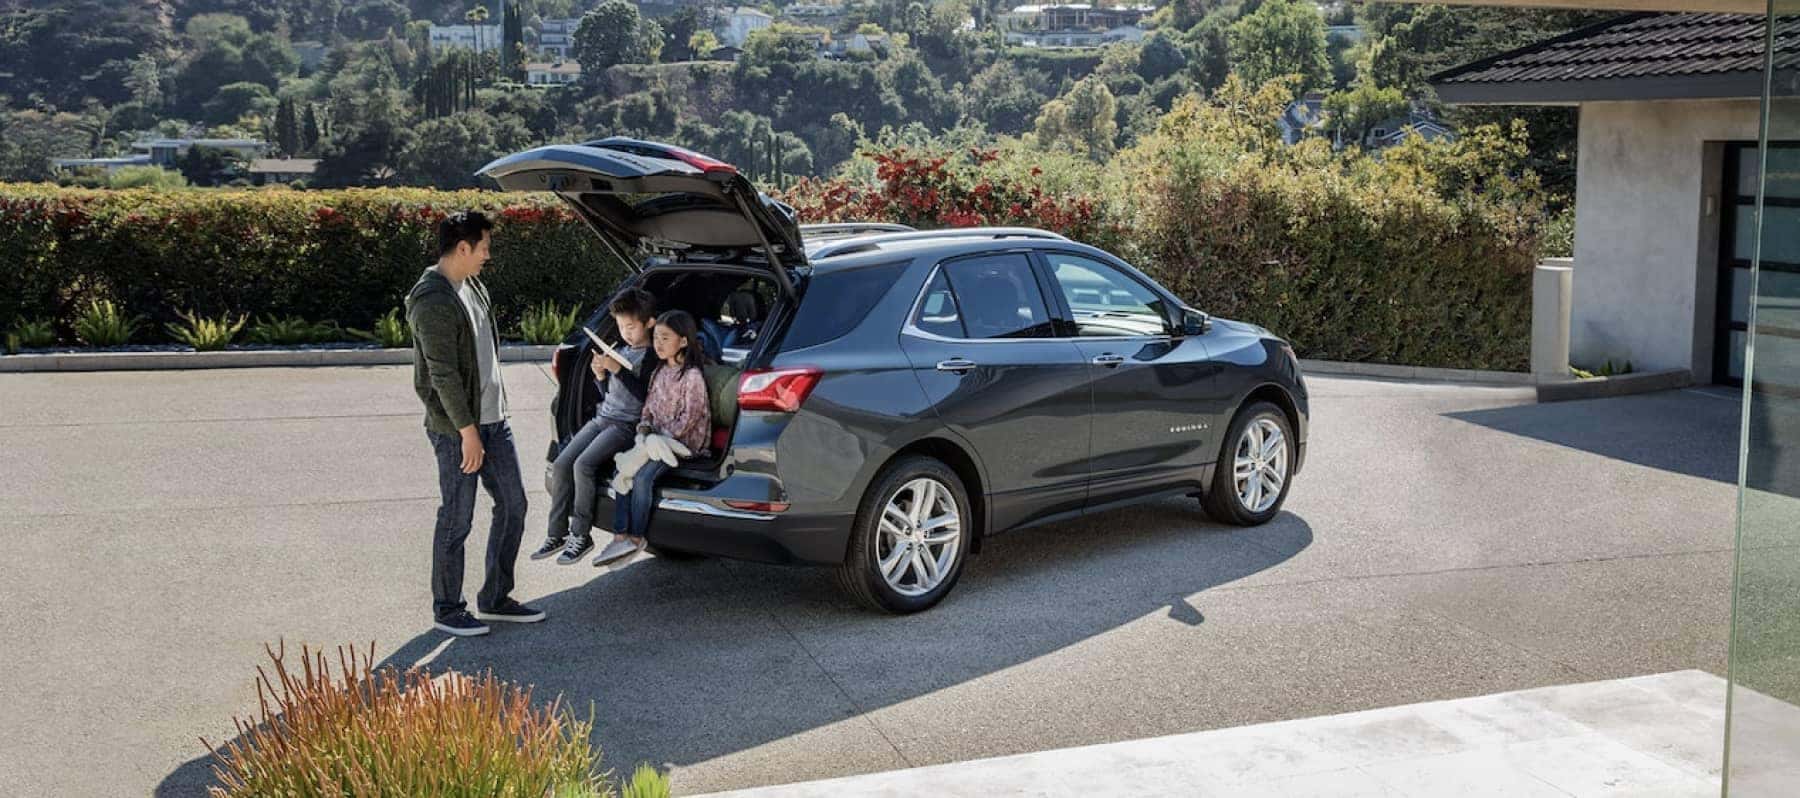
<point x="476" y="17"/>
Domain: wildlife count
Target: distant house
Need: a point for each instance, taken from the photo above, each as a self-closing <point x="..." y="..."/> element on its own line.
<point x="264" y="171"/>
<point x="1394" y="131"/>
<point x="1071" y="17"/>
<point x="726" y="53"/>
<point x="557" y="73"/>
<point x="863" y="43"/>
<point x="813" y="10"/>
<point x="480" y="38"/>
<point x="556" y="38"/>
<point x="165" y="152"/>
<point x="741" y="22"/>
<point x="1303" y="117"/>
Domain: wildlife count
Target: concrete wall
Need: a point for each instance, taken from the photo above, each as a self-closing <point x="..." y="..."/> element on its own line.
<point x="1646" y="225"/>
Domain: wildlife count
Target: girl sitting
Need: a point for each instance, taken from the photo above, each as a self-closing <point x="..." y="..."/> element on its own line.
<point x="674" y="405"/>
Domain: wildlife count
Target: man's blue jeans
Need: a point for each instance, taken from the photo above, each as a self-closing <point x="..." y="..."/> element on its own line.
<point x="499" y="474"/>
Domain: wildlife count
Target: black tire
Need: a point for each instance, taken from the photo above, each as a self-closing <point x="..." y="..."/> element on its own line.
<point x="1221" y="500"/>
<point x="860" y="576"/>
<point x="673" y="555"/>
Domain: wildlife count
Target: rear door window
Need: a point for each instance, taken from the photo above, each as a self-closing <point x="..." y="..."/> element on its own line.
<point x="836" y="301"/>
<point x="997" y="296"/>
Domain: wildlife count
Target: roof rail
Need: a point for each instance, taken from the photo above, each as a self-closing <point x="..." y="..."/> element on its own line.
<point x="842" y="229"/>
<point x="868" y="242"/>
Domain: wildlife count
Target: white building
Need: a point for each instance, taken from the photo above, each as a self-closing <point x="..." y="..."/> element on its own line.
<point x="480" y="38"/>
<point x="559" y="73"/>
<point x="1665" y="183"/>
<point x="741" y="22"/>
<point x="813" y="10"/>
<point x="556" y="38"/>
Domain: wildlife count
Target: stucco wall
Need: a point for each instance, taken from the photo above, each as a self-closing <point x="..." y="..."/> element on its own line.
<point x="1645" y="232"/>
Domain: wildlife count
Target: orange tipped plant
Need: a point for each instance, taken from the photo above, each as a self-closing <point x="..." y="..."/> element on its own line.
<point x="358" y="731"/>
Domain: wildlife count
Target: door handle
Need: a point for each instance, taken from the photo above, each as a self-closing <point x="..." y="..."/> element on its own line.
<point x="1108" y="360"/>
<point x="956" y="365"/>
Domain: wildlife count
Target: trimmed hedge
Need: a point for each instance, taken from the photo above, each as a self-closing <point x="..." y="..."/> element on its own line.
<point x="346" y="256"/>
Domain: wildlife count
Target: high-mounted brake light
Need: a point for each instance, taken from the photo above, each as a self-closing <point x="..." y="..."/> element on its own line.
<point x="777" y="390"/>
<point x="700" y="162"/>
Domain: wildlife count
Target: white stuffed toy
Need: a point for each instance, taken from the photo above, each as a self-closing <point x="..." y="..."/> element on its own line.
<point x="655" y="446"/>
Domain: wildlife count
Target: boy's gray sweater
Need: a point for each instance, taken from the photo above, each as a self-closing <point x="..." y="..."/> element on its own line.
<point x="620" y="405"/>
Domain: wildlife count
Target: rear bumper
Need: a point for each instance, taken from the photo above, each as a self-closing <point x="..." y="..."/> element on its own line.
<point x="699" y="522"/>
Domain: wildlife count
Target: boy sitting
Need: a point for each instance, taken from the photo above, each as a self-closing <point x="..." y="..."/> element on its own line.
<point x="579" y="468"/>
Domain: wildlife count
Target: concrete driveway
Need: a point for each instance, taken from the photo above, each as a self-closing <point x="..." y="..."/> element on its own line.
<point x="1444" y="541"/>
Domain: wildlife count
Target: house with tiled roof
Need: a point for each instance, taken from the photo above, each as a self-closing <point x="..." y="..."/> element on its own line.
<point x="1668" y="108"/>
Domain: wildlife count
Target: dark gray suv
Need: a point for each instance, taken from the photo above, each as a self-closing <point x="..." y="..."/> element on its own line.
<point x="886" y="398"/>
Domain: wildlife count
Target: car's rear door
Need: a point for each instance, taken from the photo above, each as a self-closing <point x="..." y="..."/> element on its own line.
<point x="1154" y="415"/>
<point x="981" y="341"/>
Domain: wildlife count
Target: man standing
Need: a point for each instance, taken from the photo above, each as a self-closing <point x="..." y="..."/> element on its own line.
<point x="456" y="371"/>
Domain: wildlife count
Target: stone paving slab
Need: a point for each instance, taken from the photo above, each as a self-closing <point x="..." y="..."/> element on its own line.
<point x="1657" y="735"/>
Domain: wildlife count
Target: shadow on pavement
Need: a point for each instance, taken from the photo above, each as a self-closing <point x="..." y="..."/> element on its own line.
<point x="1692" y="432"/>
<point x="688" y="661"/>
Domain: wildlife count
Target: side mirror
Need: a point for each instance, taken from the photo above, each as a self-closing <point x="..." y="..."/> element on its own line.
<point x="1194" y="322"/>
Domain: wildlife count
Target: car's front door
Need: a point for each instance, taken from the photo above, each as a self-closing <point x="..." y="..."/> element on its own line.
<point x="1154" y="420"/>
<point x="981" y="341"/>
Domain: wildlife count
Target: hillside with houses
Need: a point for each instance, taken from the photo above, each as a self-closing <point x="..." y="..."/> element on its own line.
<point x="384" y="92"/>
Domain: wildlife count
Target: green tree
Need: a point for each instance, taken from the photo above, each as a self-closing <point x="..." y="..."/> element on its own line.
<point x="1162" y="56"/>
<point x="208" y="166"/>
<point x="1209" y="43"/>
<point x="1355" y="112"/>
<point x="612" y="34"/>
<point x="154" y="177"/>
<point x="447" y="151"/>
<point x="287" y="127"/>
<point x="1003" y="99"/>
<point x="30" y="139"/>
<point x="1282" y="37"/>
<point x="702" y="43"/>
<point x="679" y="33"/>
<point x="237" y="100"/>
<point x="310" y="134"/>
<point x="512" y="39"/>
<point x="145" y="81"/>
<point x="1085" y="120"/>
<point x="371" y="155"/>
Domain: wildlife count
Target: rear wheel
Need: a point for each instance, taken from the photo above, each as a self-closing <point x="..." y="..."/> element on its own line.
<point x="1251" y="480"/>
<point x="909" y="538"/>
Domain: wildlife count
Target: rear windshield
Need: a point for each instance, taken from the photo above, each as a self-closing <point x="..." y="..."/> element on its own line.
<point x="836" y="301"/>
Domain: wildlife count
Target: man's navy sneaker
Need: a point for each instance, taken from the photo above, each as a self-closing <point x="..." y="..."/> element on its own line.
<point x="462" y="624"/>
<point x="513" y="612"/>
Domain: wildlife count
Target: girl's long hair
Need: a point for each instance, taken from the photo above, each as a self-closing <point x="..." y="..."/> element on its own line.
<point x="682" y="323"/>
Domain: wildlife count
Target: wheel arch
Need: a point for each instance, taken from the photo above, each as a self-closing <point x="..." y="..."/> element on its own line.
<point x="1278" y="396"/>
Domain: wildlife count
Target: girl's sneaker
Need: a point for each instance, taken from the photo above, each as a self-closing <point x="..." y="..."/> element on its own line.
<point x="619" y="550"/>
<point x="576" y="546"/>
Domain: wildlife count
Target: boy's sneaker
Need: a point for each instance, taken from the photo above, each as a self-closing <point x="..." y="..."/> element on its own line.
<point x="618" y="551"/>
<point x="576" y="546"/>
<point x="461" y="624"/>
<point x="551" y="546"/>
<point x="513" y="612"/>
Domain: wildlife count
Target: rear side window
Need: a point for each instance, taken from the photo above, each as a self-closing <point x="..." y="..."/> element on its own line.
<point x="837" y="301"/>
<point x="998" y="297"/>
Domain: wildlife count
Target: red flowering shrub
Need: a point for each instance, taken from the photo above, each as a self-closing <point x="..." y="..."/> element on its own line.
<point x="928" y="190"/>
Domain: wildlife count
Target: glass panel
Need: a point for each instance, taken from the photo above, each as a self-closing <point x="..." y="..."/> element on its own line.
<point x="1737" y="355"/>
<point x="1106" y="302"/>
<point x="999" y="297"/>
<point x="937" y="314"/>
<point x="1774" y="248"/>
<point x="1762" y="729"/>
<point x="1784" y="172"/>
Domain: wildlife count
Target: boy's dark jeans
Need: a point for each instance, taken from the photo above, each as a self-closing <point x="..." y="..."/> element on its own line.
<point x="575" y="478"/>
<point x="499" y="475"/>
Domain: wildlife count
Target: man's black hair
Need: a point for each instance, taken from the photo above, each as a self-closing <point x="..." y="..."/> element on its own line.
<point x="460" y="227"/>
<point x="636" y="303"/>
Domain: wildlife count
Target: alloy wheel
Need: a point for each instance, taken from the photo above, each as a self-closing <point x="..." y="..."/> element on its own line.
<point x="1260" y="467"/>
<point x="921" y="537"/>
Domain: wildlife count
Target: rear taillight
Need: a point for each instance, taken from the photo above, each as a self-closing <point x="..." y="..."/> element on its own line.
<point x="777" y="390"/>
<point x="556" y="363"/>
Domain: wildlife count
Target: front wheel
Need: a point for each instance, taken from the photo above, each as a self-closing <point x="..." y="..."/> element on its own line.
<point x="909" y="538"/>
<point x="1251" y="480"/>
